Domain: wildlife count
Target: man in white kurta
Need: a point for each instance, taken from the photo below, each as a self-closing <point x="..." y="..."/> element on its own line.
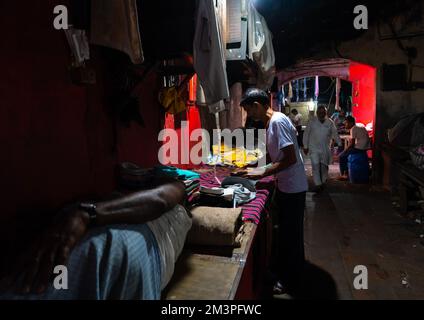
<point x="317" y="138"/>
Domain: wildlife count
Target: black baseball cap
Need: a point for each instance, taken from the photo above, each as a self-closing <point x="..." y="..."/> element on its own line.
<point x="254" y="95"/>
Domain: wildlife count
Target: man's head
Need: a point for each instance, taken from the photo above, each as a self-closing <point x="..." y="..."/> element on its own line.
<point x="349" y="122"/>
<point x="294" y="112"/>
<point x="256" y="103"/>
<point x="321" y="113"/>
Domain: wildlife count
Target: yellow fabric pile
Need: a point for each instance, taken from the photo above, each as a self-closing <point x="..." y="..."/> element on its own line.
<point x="239" y="157"/>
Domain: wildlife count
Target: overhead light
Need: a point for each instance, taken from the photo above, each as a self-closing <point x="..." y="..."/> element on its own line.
<point x="311" y="105"/>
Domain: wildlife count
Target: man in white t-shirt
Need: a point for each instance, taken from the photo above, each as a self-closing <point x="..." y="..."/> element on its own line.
<point x="287" y="166"/>
<point x="359" y="142"/>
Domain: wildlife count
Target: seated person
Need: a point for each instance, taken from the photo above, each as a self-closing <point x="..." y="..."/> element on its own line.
<point x="119" y="249"/>
<point x="359" y="141"/>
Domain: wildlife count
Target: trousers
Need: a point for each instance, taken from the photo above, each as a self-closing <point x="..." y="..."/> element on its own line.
<point x="288" y="246"/>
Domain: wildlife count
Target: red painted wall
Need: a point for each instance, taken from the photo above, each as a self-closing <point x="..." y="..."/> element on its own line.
<point x="57" y="139"/>
<point x="192" y="118"/>
<point x="363" y="78"/>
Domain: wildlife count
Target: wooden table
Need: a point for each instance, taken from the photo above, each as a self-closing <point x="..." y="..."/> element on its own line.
<point x="211" y="277"/>
<point x="207" y="273"/>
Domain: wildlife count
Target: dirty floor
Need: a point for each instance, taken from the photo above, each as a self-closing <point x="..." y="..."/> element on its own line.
<point x="350" y="225"/>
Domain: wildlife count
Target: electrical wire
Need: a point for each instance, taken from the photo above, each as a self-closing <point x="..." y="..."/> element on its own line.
<point x="329" y="86"/>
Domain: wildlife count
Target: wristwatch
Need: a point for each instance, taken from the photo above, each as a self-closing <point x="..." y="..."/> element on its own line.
<point x="91" y="209"/>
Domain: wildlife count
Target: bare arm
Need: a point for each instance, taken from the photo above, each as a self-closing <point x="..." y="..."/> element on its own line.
<point x="288" y="160"/>
<point x="142" y="206"/>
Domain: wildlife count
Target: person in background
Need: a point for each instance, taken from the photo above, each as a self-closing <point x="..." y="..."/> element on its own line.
<point x="339" y="118"/>
<point x="296" y="119"/>
<point x="290" y="194"/>
<point x="317" y="139"/>
<point x="359" y="141"/>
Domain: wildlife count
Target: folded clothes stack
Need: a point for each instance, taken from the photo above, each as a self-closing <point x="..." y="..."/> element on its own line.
<point x="174" y="172"/>
<point x="253" y="210"/>
<point x="233" y="192"/>
<point x="216" y="196"/>
<point x="192" y="187"/>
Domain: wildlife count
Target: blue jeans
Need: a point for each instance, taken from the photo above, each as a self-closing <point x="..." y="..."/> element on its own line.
<point x="343" y="158"/>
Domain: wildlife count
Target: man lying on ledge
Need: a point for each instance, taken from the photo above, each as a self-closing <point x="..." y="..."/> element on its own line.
<point x="119" y="249"/>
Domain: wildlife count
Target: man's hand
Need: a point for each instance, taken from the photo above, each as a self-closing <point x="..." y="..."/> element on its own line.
<point x="239" y="172"/>
<point x="254" y="173"/>
<point x="306" y="150"/>
<point x="52" y="248"/>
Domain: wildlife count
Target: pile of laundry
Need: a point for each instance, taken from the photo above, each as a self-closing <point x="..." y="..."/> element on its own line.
<point x="233" y="156"/>
<point x="190" y="178"/>
<point x="233" y="192"/>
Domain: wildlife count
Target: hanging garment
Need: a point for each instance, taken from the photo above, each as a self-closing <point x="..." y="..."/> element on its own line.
<point x="338" y="87"/>
<point x="217" y="107"/>
<point x="209" y="62"/>
<point x="78" y="42"/>
<point x="172" y="101"/>
<point x="114" y="24"/>
<point x="290" y="93"/>
<point x="316" y="88"/>
<point x="200" y="95"/>
<point x="297" y="90"/>
<point x="261" y="49"/>
<point x="283" y="99"/>
<point x="305" y="93"/>
<point x="317" y="138"/>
